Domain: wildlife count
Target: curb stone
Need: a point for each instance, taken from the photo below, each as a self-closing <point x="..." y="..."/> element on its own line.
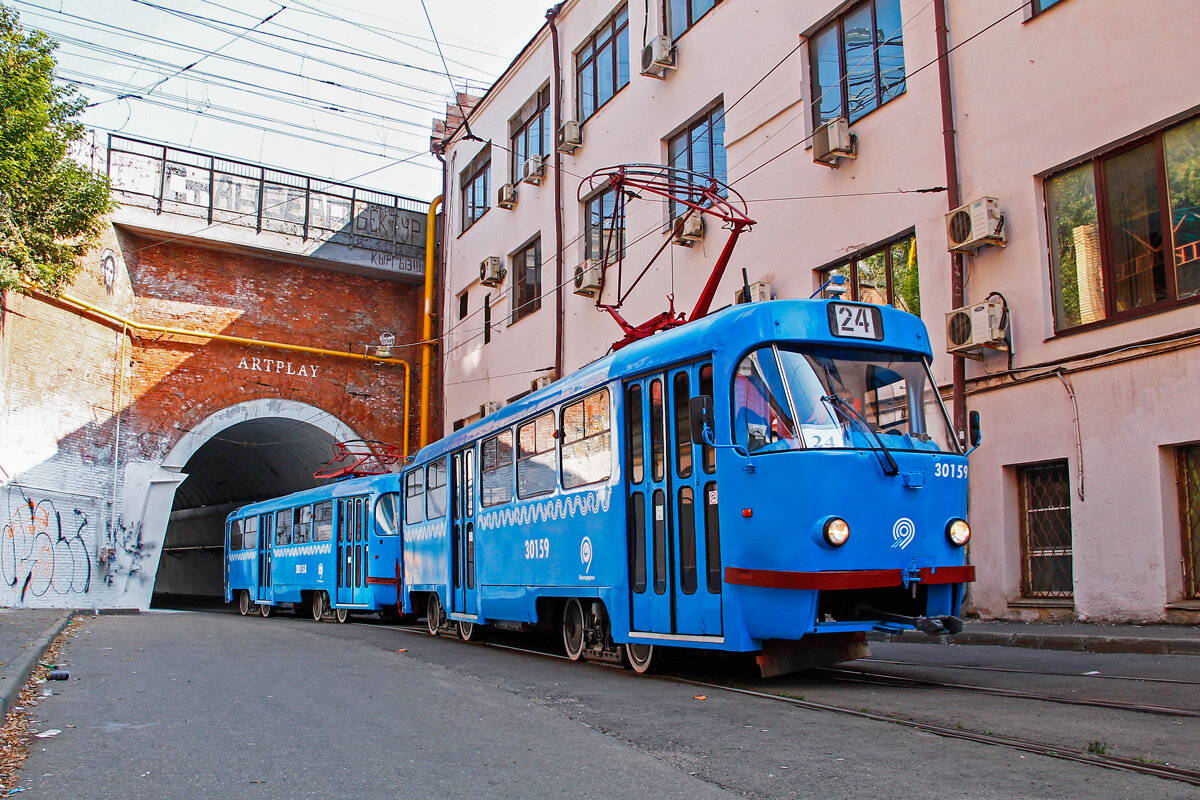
<point x="12" y="684"/>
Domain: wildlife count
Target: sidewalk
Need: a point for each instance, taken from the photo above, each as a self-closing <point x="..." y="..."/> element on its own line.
<point x="25" y="633"/>
<point x="1081" y="637"/>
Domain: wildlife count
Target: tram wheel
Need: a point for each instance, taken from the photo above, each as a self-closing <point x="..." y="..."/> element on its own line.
<point x="341" y="614"/>
<point x="244" y="604"/>
<point x="318" y="606"/>
<point x="434" y="614"/>
<point x="466" y="630"/>
<point x="266" y="610"/>
<point x="572" y="629"/>
<point x="641" y="658"/>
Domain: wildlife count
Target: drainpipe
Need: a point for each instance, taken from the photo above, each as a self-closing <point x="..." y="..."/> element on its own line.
<point x="957" y="294"/>
<point x="551" y="16"/>
<point x="427" y="320"/>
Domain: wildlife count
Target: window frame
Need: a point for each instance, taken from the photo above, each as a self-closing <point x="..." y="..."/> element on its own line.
<point x="709" y="118"/>
<point x="474" y="183"/>
<point x="522" y="458"/>
<point x="614" y="231"/>
<point x="1036" y="7"/>
<point x="511" y="463"/>
<point x="536" y="109"/>
<point x="1097" y="162"/>
<point x="414" y="496"/>
<point x="689" y="22"/>
<point x="435" y="466"/>
<point x="615" y="26"/>
<point x="882" y="97"/>
<point x="322" y="524"/>
<point x="850" y="265"/>
<point x="522" y="308"/>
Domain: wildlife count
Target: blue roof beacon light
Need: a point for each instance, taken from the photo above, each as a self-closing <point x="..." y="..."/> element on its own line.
<point x="836" y="286"/>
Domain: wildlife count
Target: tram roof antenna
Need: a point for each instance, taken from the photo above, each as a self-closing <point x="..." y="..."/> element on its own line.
<point x="366" y="457"/>
<point x="694" y="192"/>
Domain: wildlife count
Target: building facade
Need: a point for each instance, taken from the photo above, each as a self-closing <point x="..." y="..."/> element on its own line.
<point x="213" y="348"/>
<point x="1081" y="258"/>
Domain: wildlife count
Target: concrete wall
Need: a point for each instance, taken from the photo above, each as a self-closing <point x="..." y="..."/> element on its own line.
<point x="1031" y="94"/>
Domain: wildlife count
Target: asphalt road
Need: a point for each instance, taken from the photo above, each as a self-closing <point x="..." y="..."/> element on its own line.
<point x="186" y="705"/>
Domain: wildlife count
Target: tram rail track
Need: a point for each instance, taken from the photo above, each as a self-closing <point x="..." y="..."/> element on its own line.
<point x="1011" y="670"/>
<point x="1048" y="749"/>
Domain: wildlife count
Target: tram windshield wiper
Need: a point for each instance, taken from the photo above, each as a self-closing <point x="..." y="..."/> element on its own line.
<point x="851" y="414"/>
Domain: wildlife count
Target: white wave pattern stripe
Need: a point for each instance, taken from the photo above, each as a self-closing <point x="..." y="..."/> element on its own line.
<point x="571" y="505"/>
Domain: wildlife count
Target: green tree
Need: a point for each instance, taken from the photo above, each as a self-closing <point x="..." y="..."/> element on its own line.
<point x="52" y="209"/>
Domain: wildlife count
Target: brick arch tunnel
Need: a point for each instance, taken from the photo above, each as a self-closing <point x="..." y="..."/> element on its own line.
<point x="271" y="451"/>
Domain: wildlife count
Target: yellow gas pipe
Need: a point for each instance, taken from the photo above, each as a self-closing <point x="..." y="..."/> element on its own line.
<point x="427" y="324"/>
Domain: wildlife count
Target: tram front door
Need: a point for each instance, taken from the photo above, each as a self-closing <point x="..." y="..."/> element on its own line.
<point x="266" y="537"/>
<point x="351" y="551"/>
<point x="462" y="512"/>
<point x="673" y="539"/>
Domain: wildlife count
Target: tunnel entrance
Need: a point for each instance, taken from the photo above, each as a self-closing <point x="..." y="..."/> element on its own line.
<point x="246" y="461"/>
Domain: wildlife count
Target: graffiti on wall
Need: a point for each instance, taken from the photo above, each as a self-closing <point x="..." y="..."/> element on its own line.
<point x="46" y="550"/>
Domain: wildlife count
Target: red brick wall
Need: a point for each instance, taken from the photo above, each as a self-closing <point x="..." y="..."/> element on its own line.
<point x="178" y="381"/>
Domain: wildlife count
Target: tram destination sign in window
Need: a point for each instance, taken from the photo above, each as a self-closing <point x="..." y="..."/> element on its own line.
<point x="855" y="321"/>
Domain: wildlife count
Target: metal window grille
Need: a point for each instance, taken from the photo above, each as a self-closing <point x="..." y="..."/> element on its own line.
<point x="1046" y="564"/>
<point x="1188" y="472"/>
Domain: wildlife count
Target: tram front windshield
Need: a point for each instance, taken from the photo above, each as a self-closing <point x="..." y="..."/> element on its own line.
<point x="790" y="397"/>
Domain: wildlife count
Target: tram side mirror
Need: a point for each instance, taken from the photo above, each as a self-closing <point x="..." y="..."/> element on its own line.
<point x="974" y="432"/>
<point x="700" y="410"/>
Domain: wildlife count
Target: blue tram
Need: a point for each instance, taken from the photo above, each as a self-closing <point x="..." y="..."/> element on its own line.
<point x="334" y="549"/>
<point x="778" y="477"/>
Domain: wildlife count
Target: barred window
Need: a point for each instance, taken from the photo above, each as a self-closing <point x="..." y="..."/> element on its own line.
<point x="587" y="446"/>
<point x="1047" y="569"/>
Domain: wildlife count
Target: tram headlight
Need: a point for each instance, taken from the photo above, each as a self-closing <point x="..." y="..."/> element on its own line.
<point x="835" y="531"/>
<point x="958" y="532"/>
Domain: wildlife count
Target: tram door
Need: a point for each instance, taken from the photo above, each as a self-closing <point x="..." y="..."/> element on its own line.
<point x="266" y="537"/>
<point x="462" y="512"/>
<point x="352" y="551"/>
<point x="674" y="547"/>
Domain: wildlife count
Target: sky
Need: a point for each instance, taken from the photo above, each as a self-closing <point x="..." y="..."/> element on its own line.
<point x="337" y="89"/>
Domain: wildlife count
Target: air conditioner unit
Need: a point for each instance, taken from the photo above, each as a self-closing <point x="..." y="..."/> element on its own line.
<point x="587" y="278"/>
<point x="533" y="170"/>
<point x="972" y="327"/>
<point x="570" y="137"/>
<point x="506" y="197"/>
<point x="832" y="141"/>
<point x="691" y="230"/>
<point x="975" y="225"/>
<point x="758" y="292"/>
<point x="541" y="382"/>
<point x="491" y="271"/>
<point x="658" y="57"/>
<point x="489" y="408"/>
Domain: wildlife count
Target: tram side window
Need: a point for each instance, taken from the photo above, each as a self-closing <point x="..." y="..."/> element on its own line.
<point x="535" y="457"/>
<point x="283" y="528"/>
<point x="587" y="447"/>
<point x="497" y="469"/>
<point x="323" y="522"/>
<point x="636" y="446"/>
<point x="683" y="425"/>
<point x="760" y="411"/>
<point x="435" y="496"/>
<point x="414" y="497"/>
<point x="301" y="524"/>
<point x="387" y="514"/>
<point x="235" y="535"/>
<point x="250" y="533"/>
<point x="706" y="388"/>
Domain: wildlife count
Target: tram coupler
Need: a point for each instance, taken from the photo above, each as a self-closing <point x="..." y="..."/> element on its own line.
<point x="932" y="626"/>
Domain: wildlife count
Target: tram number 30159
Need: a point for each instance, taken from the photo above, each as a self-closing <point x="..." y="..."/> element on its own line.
<point x="537" y="548"/>
<point x="942" y="470"/>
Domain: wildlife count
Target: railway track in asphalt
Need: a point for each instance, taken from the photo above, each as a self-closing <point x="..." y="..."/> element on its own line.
<point x="1051" y="750"/>
<point x="1014" y="671"/>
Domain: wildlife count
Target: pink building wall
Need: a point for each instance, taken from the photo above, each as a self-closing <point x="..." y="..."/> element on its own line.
<point x="1032" y="94"/>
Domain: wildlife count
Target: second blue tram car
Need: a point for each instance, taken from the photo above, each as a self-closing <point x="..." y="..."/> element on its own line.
<point x="334" y="549"/>
<point x="774" y="475"/>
